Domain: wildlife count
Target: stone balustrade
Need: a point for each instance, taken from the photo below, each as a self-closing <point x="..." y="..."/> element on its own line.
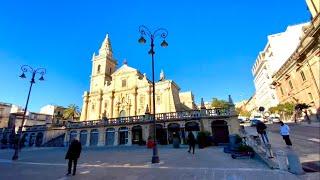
<point x="160" y="117"/>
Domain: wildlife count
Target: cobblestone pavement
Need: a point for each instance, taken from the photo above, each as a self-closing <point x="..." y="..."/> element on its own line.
<point x="133" y="163"/>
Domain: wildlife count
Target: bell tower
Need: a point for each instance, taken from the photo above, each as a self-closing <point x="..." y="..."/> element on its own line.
<point x="103" y="65"/>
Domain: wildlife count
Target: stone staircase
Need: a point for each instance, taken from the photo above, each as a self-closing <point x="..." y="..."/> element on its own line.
<point x="55" y="142"/>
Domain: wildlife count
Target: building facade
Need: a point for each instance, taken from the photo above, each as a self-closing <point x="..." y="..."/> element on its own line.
<point x="56" y="113"/>
<point x="277" y="50"/>
<point x="126" y="92"/>
<point x="298" y="80"/>
<point x="5" y="109"/>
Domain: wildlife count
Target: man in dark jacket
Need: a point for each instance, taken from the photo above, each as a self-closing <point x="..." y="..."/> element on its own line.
<point x="73" y="154"/>
<point x="191" y="141"/>
<point x="261" y="129"/>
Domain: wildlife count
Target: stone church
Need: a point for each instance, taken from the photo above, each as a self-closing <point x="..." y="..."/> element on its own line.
<point x="124" y="91"/>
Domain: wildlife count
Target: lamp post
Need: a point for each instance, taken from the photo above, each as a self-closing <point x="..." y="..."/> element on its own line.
<point x="159" y="33"/>
<point x="24" y="69"/>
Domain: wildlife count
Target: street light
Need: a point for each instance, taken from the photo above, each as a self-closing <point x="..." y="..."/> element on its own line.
<point x="24" y="69"/>
<point x="159" y="33"/>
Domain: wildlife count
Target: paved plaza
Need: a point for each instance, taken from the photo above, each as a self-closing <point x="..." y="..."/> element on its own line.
<point x="133" y="163"/>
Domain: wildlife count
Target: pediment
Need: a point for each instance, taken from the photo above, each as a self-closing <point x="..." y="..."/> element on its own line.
<point x="124" y="69"/>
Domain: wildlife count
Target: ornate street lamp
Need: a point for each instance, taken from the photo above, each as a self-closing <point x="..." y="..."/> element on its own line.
<point x="24" y="69"/>
<point x="159" y="33"/>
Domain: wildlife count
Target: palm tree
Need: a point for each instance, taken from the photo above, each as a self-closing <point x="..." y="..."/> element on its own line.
<point x="72" y="111"/>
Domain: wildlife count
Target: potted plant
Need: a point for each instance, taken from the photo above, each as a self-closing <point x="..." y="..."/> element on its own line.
<point x="203" y="139"/>
<point x="243" y="150"/>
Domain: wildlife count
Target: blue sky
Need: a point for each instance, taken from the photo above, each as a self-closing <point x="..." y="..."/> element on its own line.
<point x="212" y="44"/>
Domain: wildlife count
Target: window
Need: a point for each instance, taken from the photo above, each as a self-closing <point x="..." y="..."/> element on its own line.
<point x="141" y="102"/>
<point x="124" y="83"/>
<point x="281" y="91"/>
<point x="290" y="84"/>
<point x="109" y="70"/>
<point x="158" y="101"/>
<point x="99" y="67"/>
<point x="303" y="76"/>
<point x="92" y="107"/>
<point x="310" y="96"/>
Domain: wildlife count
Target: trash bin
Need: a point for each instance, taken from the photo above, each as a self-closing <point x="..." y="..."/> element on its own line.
<point x="282" y="160"/>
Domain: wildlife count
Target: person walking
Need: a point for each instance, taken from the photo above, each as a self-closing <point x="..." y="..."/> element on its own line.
<point x="191" y="142"/>
<point x="261" y="129"/>
<point x="284" y="131"/>
<point x="73" y="155"/>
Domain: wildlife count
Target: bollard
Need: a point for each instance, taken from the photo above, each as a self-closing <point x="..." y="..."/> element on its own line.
<point x="282" y="160"/>
<point x="294" y="162"/>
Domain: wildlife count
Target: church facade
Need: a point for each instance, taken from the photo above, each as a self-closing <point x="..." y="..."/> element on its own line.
<point x="121" y="92"/>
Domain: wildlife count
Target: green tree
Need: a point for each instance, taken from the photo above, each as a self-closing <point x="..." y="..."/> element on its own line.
<point x="243" y="112"/>
<point x="72" y="111"/>
<point x="217" y="103"/>
<point x="284" y="109"/>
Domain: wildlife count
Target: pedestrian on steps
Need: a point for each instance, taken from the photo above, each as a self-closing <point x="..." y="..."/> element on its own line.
<point x="73" y="155"/>
<point x="191" y="141"/>
<point x="261" y="129"/>
<point x="284" y="131"/>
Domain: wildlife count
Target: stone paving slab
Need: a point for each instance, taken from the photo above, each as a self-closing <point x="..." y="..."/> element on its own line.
<point x="130" y="163"/>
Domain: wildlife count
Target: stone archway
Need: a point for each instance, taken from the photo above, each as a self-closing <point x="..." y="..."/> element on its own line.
<point x="73" y="134"/>
<point x="220" y="131"/>
<point x="83" y="137"/>
<point x="94" y="137"/>
<point x="161" y="135"/>
<point x="192" y="127"/>
<point x="32" y="138"/>
<point x="173" y="129"/>
<point x="137" y="135"/>
<point x="39" y="139"/>
<point x="123" y="135"/>
<point x="110" y="133"/>
<point x="122" y="113"/>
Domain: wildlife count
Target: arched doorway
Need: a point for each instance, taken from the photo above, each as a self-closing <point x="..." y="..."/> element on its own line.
<point x="161" y="135"/>
<point x="73" y="134"/>
<point x="193" y="127"/>
<point x="123" y="135"/>
<point x="83" y="137"/>
<point x="24" y="139"/>
<point x="173" y="129"/>
<point x="109" y="137"/>
<point x="39" y="139"/>
<point x="94" y="137"/>
<point x="220" y="131"/>
<point x="32" y="138"/>
<point x="122" y="113"/>
<point x="137" y="134"/>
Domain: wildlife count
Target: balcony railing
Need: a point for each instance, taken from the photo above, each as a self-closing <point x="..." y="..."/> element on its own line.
<point x="160" y="117"/>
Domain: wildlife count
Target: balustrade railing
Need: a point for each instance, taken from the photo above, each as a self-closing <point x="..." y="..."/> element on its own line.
<point x="171" y="116"/>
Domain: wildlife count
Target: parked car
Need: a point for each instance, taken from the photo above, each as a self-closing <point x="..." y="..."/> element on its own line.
<point x="274" y="119"/>
<point x="241" y="121"/>
<point x="254" y="122"/>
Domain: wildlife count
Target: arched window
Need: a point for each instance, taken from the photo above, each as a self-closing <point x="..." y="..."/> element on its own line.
<point x="99" y="67"/>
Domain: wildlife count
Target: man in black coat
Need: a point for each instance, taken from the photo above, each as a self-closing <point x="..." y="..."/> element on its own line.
<point x="73" y="154"/>
<point x="261" y="129"/>
<point x="191" y="141"/>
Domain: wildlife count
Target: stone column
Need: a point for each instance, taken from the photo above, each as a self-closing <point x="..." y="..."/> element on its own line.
<point x="88" y="138"/>
<point x="116" y="136"/>
<point x="135" y="95"/>
<point x="100" y="104"/>
<point x="102" y="137"/>
<point x="129" y="137"/>
<point x="111" y="104"/>
<point x="83" y="116"/>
